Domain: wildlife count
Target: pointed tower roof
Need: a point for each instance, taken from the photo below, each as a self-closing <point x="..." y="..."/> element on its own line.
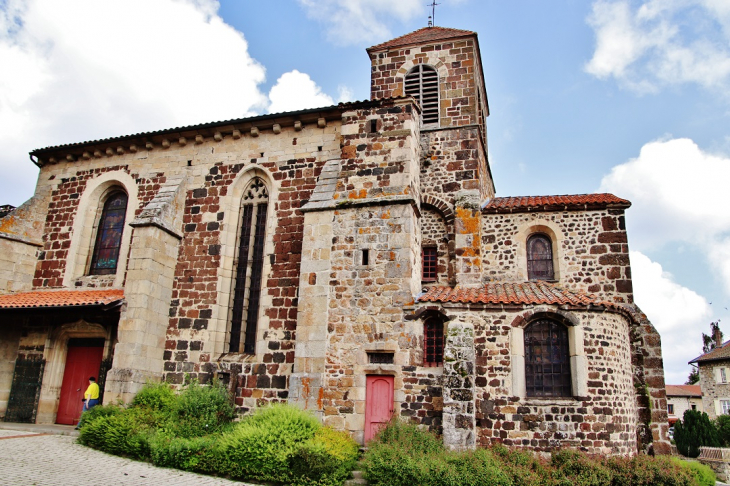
<point x="421" y="36"/>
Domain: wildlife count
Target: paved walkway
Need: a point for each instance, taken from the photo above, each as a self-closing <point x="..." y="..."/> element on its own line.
<point x="41" y="459"/>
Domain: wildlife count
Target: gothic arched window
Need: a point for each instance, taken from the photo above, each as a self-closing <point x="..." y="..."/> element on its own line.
<point x="540" y="258"/>
<point x="433" y="342"/>
<point x="249" y="264"/>
<point x="109" y="235"/>
<point x="422" y="82"/>
<point x="547" y="360"/>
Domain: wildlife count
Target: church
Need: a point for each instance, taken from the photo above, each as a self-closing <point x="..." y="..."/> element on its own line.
<point x="353" y="260"/>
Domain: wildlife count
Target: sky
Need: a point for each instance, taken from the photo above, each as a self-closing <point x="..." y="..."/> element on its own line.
<point x="624" y="96"/>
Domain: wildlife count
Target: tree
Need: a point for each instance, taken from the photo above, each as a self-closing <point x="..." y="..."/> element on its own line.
<point x="714" y="340"/>
<point x="693" y="432"/>
<point x="694" y="377"/>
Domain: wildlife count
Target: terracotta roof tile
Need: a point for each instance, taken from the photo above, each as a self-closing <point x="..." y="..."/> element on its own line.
<point x="511" y="293"/>
<point x="60" y="298"/>
<point x="684" y="391"/>
<point x="721" y="352"/>
<point x="420" y="36"/>
<point x="551" y="203"/>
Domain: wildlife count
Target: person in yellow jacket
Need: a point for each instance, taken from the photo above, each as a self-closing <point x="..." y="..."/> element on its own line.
<point x="91" y="397"/>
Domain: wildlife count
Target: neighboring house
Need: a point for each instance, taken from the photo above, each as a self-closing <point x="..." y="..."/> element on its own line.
<point x="681" y="398"/>
<point x="352" y="259"/>
<point x="714" y="369"/>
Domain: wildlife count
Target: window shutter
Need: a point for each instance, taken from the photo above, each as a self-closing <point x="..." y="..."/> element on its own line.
<point x="718" y="408"/>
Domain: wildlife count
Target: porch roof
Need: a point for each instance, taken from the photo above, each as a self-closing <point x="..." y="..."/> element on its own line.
<point x="38" y="299"/>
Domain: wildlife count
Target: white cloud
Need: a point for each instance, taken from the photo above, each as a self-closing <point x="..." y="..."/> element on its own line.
<point x="85" y="69"/>
<point x="662" y="42"/>
<point x="358" y="21"/>
<point x="678" y="191"/>
<point x="296" y="91"/>
<point x="678" y="313"/>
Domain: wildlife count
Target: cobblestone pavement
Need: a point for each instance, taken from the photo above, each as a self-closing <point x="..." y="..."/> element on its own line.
<point x="30" y="459"/>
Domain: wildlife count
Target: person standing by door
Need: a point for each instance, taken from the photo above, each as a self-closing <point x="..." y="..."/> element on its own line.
<point x="91" y="398"/>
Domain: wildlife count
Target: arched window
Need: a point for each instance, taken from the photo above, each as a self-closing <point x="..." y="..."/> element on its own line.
<point x="433" y="342"/>
<point x="540" y="258"/>
<point x="249" y="266"/>
<point x="547" y="360"/>
<point x="109" y="235"/>
<point x="422" y="82"/>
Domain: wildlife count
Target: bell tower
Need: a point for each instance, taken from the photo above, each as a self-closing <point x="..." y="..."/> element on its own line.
<point x="441" y="69"/>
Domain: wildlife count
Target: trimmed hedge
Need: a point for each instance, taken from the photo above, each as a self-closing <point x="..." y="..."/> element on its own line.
<point x="194" y="431"/>
<point x="404" y="455"/>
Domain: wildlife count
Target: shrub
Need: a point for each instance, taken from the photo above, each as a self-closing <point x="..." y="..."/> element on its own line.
<point x="644" y="470"/>
<point x="157" y="396"/>
<point x="200" y="410"/>
<point x="693" y="432"/>
<point x="704" y="475"/>
<point x="260" y="446"/>
<point x="196" y="454"/>
<point x="125" y="433"/>
<point x="329" y="456"/>
<point x="573" y="467"/>
<point x="722" y="424"/>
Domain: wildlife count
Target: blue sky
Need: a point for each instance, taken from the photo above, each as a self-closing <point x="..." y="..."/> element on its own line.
<point x="624" y="96"/>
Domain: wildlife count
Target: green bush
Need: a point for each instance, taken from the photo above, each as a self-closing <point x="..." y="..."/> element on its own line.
<point x="259" y="447"/>
<point x="704" y="475"/>
<point x="125" y="433"/>
<point x="200" y="410"/>
<point x="722" y="424"/>
<point x="573" y="467"/>
<point x="326" y="458"/>
<point x="157" y="396"/>
<point x="693" y="432"/>
<point x="196" y="454"/>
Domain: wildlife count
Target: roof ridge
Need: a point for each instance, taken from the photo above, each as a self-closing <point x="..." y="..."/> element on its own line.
<point x="405" y="39"/>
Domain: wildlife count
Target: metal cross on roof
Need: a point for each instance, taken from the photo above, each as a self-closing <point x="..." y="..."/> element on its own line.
<point x="432" y="17"/>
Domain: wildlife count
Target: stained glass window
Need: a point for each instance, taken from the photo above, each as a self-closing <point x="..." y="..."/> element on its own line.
<point x="547" y="360"/>
<point x="540" y="258"/>
<point x="109" y="235"/>
<point x="249" y="268"/>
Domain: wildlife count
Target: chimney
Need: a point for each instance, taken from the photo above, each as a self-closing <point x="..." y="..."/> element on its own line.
<point x="717" y="335"/>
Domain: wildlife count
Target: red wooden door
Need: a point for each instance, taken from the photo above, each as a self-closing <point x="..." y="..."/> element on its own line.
<point x="81" y="363"/>
<point x="378" y="403"/>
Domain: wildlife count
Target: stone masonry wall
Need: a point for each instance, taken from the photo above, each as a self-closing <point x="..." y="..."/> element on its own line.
<point x="604" y="421"/>
<point x="592" y="256"/>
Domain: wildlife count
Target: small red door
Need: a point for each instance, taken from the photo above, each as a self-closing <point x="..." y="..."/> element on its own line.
<point x="83" y="361"/>
<point x="378" y="403"/>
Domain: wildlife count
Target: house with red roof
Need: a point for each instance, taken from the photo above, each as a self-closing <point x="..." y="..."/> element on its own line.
<point x="681" y="398"/>
<point x="354" y="260"/>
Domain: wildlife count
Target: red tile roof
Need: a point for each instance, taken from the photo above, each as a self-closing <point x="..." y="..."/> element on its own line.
<point x="60" y="298"/>
<point x="554" y="203"/>
<point x="423" y="35"/>
<point x="684" y="391"/>
<point x="721" y="352"/>
<point x="511" y="293"/>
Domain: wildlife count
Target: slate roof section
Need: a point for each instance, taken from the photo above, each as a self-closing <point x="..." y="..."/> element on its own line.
<point x="684" y="391"/>
<point x="717" y="354"/>
<point x="43" y="299"/>
<point x="420" y="36"/>
<point x="554" y="203"/>
<point x="512" y="293"/>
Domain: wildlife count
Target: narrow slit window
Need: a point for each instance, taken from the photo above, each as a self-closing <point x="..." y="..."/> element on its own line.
<point x="422" y="82"/>
<point x="373" y="126"/>
<point x="366" y="257"/>
<point x="540" y="258"/>
<point x="109" y="235"/>
<point x="249" y="266"/>
<point x="429" y="259"/>
<point x="433" y="342"/>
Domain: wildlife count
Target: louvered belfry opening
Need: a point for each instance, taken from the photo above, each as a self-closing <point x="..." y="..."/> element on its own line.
<point x="422" y="82"/>
<point x="249" y="266"/>
<point x="540" y="258"/>
<point x="547" y="362"/>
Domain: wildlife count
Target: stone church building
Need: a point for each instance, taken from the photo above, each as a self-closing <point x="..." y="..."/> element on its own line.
<point x="353" y="260"/>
